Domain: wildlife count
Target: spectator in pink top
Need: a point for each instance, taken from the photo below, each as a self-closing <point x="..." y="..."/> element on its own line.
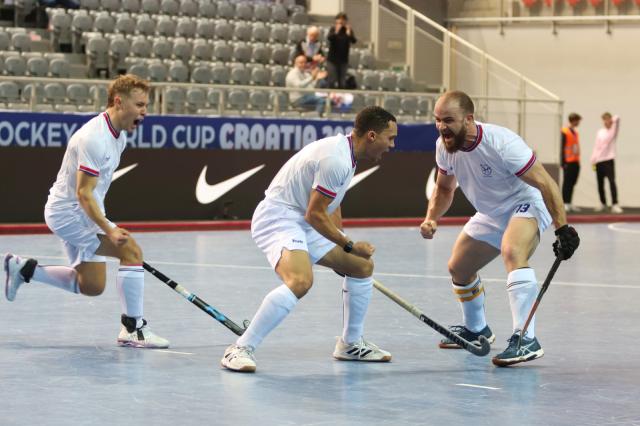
<point x="602" y="159"/>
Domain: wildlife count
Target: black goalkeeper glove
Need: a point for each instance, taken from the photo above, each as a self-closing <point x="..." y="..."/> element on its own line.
<point x="566" y="243"/>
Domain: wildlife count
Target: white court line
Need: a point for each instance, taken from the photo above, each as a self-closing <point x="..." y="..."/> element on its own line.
<point x="477" y="386"/>
<point x="615" y="227"/>
<point x="172" y="352"/>
<point x="381" y="274"/>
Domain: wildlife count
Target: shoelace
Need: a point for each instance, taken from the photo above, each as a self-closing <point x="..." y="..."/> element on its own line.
<point x="244" y="351"/>
<point x="364" y="346"/>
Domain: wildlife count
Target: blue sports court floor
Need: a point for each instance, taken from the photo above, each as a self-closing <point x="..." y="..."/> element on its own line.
<point x="59" y="364"/>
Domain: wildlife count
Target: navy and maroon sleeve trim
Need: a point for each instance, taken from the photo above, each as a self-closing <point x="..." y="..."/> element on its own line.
<point x="89" y="171"/>
<point x="527" y="166"/>
<point x="325" y="191"/>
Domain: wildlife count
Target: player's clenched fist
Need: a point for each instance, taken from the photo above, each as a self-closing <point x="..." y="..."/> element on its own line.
<point x="428" y="228"/>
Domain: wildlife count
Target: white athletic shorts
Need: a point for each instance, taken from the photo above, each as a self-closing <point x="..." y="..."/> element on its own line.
<point x="490" y="229"/>
<point x="275" y="227"/>
<point x="78" y="233"/>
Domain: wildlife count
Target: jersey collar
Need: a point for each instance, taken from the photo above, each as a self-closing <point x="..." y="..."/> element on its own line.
<point x="476" y="142"/>
<point x="110" y="125"/>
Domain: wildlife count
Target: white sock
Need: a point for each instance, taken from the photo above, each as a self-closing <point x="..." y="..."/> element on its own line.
<point x="471" y="298"/>
<point x="274" y="308"/>
<point x="523" y="289"/>
<point x="130" y="284"/>
<point x="356" y="294"/>
<point x="63" y="277"/>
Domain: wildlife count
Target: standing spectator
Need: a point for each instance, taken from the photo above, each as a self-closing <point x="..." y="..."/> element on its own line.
<point x="570" y="160"/>
<point x="311" y="47"/>
<point x="299" y="77"/>
<point x="340" y="39"/>
<point x="602" y="158"/>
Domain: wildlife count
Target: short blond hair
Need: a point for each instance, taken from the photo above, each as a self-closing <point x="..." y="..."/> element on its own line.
<point x="123" y="85"/>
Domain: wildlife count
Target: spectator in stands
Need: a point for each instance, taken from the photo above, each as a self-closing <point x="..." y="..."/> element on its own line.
<point x="602" y="158"/>
<point x="570" y="159"/>
<point x="299" y="77"/>
<point x="311" y="47"/>
<point x="340" y="39"/>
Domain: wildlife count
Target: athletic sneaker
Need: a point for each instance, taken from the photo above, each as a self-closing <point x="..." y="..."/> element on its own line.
<point x="360" y="351"/>
<point x="141" y="337"/>
<point x="239" y="358"/>
<point x="468" y="335"/>
<point x="616" y="209"/>
<point x="602" y="208"/>
<point x="529" y="350"/>
<point x="19" y="271"/>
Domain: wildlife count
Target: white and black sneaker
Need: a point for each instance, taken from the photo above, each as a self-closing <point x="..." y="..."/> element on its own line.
<point x="19" y="271"/>
<point x="239" y="358"/>
<point x="139" y="337"/>
<point x="360" y="351"/>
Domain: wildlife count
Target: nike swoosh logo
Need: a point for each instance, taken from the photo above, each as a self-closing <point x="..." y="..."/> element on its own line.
<point x="118" y="173"/>
<point x="431" y="183"/>
<point x="206" y="193"/>
<point x="361" y="176"/>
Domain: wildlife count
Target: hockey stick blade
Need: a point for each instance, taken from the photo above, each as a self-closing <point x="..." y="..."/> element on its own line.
<point x="481" y="350"/>
<point x="204" y="306"/>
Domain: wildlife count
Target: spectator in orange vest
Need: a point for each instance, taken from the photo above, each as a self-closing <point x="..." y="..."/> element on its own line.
<point x="570" y="160"/>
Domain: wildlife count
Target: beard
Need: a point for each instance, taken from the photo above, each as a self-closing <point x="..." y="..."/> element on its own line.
<point x="457" y="142"/>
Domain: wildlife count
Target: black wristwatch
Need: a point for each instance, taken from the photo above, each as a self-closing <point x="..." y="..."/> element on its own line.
<point x="348" y="247"/>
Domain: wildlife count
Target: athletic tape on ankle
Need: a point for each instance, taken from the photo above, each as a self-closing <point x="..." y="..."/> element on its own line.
<point x="468" y="292"/>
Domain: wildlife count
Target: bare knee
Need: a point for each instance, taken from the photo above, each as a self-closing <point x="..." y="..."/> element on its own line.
<point x="458" y="274"/>
<point x="91" y="288"/>
<point x="364" y="269"/>
<point x="514" y="257"/>
<point x="131" y="253"/>
<point x="299" y="284"/>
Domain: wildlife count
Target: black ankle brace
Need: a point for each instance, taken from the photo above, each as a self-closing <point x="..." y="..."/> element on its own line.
<point x="129" y="323"/>
<point x="28" y="269"/>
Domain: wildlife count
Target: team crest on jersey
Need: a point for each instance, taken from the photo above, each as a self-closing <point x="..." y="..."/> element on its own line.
<point x="486" y="170"/>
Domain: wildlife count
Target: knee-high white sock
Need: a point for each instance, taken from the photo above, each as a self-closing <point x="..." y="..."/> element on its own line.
<point x="471" y="298"/>
<point x="523" y="289"/>
<point x="274" y="308"/>
<point x="63" y="277"/>
<point x="356" y="294"/>
<point x="130" y="284"/>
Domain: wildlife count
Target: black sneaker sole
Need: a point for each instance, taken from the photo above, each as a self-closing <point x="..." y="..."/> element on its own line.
<point x="510" y="361"/>
<point x="452" y="345"/>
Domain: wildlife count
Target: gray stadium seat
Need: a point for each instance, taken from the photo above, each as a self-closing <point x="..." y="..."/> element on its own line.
<point x="260" y="32"/>
<point x="261" y="53"/>
<point x="279" y="13"/>
<point x="370" y="80"/>
<point x="140" y="47"/>
<point x="280" y="55"/>
<point x="182" y="49"/>
<point x="21" y="42"/>
<point x="78" y="95"/>
<point x="242" y="52"/>
<point x="150" y="6"/>
<point x="299" y="17"/>
<point x="189" y="8"/>
<point x="55" y="93"/>
<point x="358" y="102"/>
<point x="81" y="23"/>
<point x="259" y="100"/>
<point x="242" y="31"/>
<point x="60" y="24"/>
<point x="196" y="99"/>
<point x="125" y="24"/>
<point x="208" y="9"/>
<point x="354" y="58"/>
<point x="296" y="33"/>
<point x="98" y="96"/>
<point x="186" y="27"/>
<point x="140" y="69"/>
<point x="279" y="33"/>
<point x="238" y="99"/>
<point x="222" y="51"/>
<point x="15" y="65"/>
<point x="174" y="99"/>
<point x="213" y="98"/>
<point x="220" y="73"/>
<point x="278" y="75"/>
<point x="370" y="100"/>
<point x="202" y="49"/>
<point x="97" y="50"/>
<point x="225" y="10"/>
<point x="119" y="48"/>
<point x="110" y="5"/>
<point x="244" y="11"/>
<point x="279" y="100"/>
<point x="405" y="84"/>
<point x="388" y="81"/>
<point x="104" y="23"/>
<point x="367" y="60"/>
<point x="5" y="40"/>
<point x="240" y="74"/>
<point x="90" y="4"/>
<point x="201" y="74"/>
<point x="424" y="107"/>
<point x="37" y="67"/>
<point x="165" y="26"/>
<point x="145" y="25"/>
<point x="169" y="7"/>
<point x="30" y="90"/>
<point x="409" y="105"/>
<point x="9" y="92"/>
<point x="178" y="72"/>
<point x="131" y="6"/>
<point x="205" y="28"/>
<point x="391" y="104"/>
<point x="223" y="29"/>
<point x="59" y="67"/>
<point x="157" y="71"/>
<point x="162" y="48"/>
<point x="262" y="12"/>
<point x="260" y="76"/>
<point x="1" y="65"/>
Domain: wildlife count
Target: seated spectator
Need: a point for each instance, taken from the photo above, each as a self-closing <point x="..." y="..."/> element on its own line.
<point x="299" y="77"/>
<point x="311" y="47"/>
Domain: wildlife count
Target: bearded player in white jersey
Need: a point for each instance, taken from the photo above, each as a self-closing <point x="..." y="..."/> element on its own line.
<point x="515" y="199"/>
<point x="299" y="223"/>
<point x="75" y="213"/>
